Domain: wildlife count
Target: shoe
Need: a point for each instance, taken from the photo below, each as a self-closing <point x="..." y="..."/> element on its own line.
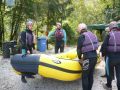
<point x="106" y="87"/>
<point x="103" y="76"/>
<point x="23" y="79"/>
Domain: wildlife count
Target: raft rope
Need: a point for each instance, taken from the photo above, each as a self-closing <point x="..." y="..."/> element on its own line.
<point x="59" y="68"/>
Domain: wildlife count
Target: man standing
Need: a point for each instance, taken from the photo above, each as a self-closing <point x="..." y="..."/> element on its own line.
<point x="60" y="37"/>
<point x="87" y="46"/>
<point x="27" y="44"/>
<point x="111" y="49"/>
<point x="104" y="34"/>
<point x="27" y="38"/>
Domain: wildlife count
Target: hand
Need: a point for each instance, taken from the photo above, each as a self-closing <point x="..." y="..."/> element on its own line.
<point x="81" y="61"/>
<point x="28" y="52"/>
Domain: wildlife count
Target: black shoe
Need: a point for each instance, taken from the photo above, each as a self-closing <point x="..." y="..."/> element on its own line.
<point x="30" y="76"/>
<point x="23" y="79"/>
<point x="103" y="76"/>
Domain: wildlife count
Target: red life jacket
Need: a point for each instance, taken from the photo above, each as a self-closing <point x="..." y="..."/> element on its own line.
<point x="59" y="35"/>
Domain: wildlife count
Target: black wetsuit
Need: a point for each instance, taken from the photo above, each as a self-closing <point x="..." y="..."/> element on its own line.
<point x="113" y="61"/>
<point x="88" y="66"/>
<point x="27" y="40"/>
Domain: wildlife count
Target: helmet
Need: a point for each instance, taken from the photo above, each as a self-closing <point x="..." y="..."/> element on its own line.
<point x="58" y="24"/>
<point x="29" y="22"/>
<point x="82" y="26"/>
<point x="107" y="29"/>
<point x="113" y="24"/>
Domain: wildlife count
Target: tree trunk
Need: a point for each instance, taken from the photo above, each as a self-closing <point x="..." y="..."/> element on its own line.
<point x="48" y="17"/>
<point x="16" y="23"/>
<point x="0" y="23"/>
<point x="2" y="10"/>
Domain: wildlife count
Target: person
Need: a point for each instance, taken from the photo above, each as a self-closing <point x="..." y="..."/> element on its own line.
<point x="27" y="41"/>
<point x="60" y="37"/>
<point x="87" y="45"/>
<point x="104" y="34"/>
<point x="111" y="49"/>
<point x="27" y="38"/>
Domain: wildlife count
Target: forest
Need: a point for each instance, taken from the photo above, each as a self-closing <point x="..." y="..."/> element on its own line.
<point x="45" y="13"/>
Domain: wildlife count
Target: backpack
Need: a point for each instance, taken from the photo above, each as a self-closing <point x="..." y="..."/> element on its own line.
<point x="59" y="35"/>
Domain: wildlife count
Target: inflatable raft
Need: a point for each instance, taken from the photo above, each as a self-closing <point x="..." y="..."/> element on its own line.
<point x="60" y="66"/>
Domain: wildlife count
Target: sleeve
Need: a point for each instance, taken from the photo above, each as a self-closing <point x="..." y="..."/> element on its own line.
<point x="103" y="49"/>
<point x="23" y="40"/>
<point x="51" y="33"/>
<point x="79" y="45"/>
<point x="34" y="40"/>
<point x="65" y="37"/>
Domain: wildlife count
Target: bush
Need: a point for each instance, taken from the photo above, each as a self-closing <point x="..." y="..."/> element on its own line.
<point x="70" y="34"/>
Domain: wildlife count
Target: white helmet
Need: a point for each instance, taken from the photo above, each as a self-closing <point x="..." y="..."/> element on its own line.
<point x="107" y="29"/>
<point x="113" y="24"/>
<point x="29" y="22"/>
<point x="58" y="23"/>
<point x="82" y="26"/>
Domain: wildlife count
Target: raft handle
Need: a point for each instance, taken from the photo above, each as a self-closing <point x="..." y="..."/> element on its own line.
<point x="57" y="61"/>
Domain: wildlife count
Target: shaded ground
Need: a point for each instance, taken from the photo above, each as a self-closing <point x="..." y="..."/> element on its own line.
<point x="10" y="81"/>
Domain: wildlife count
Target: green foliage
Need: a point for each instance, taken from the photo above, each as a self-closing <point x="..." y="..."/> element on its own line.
<point x="48" y="12"/>
<point x="70" y="34"/>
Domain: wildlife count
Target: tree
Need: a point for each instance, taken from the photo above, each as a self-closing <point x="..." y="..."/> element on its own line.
<point x="48" y="12"/>
<point x="2" y="10"/>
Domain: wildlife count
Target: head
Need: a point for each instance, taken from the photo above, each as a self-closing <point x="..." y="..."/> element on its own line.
<point x="82" y="27"/>
<point x="107" y="29"/>
<point x="29" y="24"/>
<point x="113" y="25"/>
<point x="58" y="25"/>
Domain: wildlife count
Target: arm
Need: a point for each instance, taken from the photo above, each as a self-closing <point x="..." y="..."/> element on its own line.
<point x="23" y="40"/>
<point x="103" y="49"/>
<point x="34" y="40"/>
<point x="51" y="33"/>
<point x="65" y="37"/>
<point x="79" y="45"/>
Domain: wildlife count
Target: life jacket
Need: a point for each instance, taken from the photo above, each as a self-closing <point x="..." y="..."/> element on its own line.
<point x="29" y="38"/>
<point x="90" y="43"/>
<point x="59" y="35"/>
<point x="114" y="41"/>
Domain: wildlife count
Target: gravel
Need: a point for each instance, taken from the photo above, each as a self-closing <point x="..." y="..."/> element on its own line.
<point x="11" y="81"/>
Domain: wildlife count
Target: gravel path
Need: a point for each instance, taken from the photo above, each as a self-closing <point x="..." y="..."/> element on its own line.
<point x="10" y="81"/>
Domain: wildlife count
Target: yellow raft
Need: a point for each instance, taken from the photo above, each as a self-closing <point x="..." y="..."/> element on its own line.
<point x="72" y="54"/>
<point x="60" y="66"/>
<point x="65" y="70"/>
